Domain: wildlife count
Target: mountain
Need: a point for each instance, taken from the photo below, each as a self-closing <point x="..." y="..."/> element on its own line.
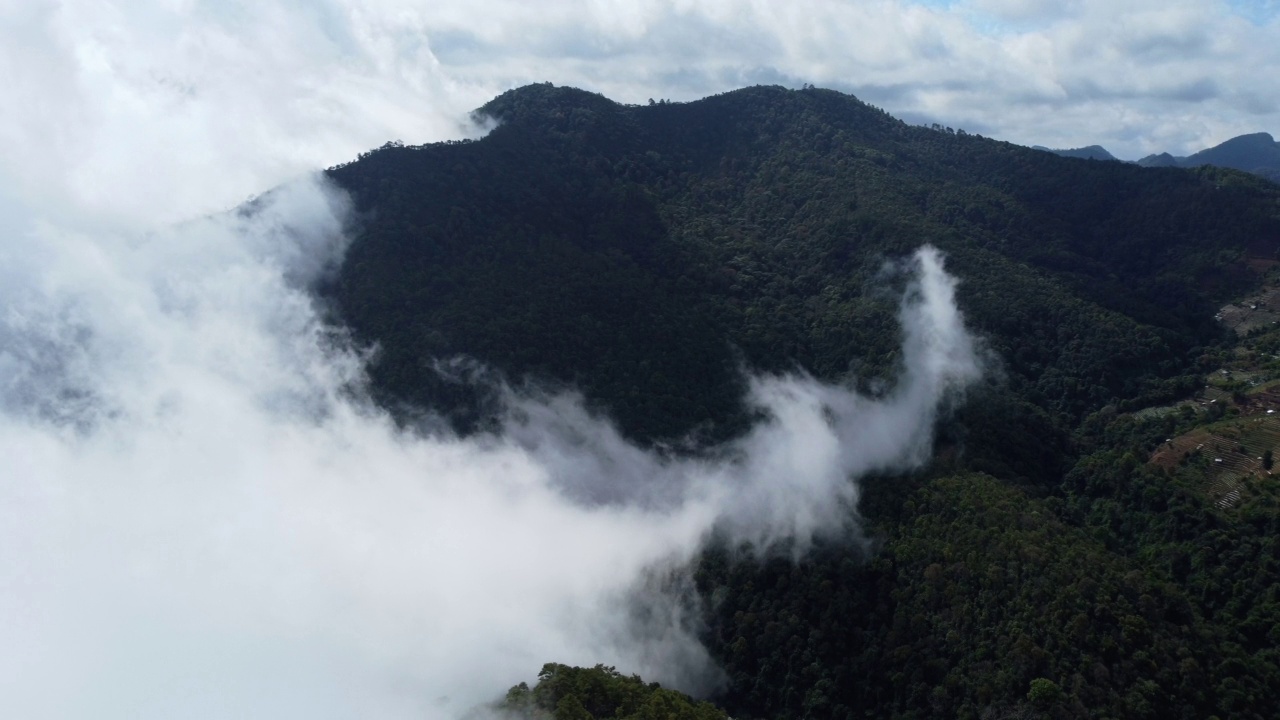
<point x="1243" y="153"/>
<point x="1257" y="153"/>
<point x="690" y="224"/>
<point x="1090" y="152"/>
<point x="1161" y="160"/>
<point x="1041" y="566"/>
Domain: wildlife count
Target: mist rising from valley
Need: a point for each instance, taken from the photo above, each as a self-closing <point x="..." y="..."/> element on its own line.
<point x="205" y="515"/>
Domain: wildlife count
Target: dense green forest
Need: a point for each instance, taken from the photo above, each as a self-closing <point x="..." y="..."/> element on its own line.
<point x="602" y="693"/>
<point x="1041" y="566"/>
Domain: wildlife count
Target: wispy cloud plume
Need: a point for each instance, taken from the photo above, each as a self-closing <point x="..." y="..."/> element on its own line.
<point x="202" y="519"/>
<point x="201" y="516"/>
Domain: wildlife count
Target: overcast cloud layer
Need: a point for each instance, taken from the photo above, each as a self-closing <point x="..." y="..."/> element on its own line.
<point x="121" y="103"/>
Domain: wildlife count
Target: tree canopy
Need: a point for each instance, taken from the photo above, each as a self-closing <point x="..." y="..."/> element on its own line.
<point x="1042" y="566"/>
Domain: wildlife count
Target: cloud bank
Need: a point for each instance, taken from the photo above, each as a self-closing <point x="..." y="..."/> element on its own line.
<point x="202" y="518"/>
<point x="147" y="93"/>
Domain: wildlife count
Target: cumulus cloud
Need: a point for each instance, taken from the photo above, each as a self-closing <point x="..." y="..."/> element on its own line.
<point x="202" y="517"/>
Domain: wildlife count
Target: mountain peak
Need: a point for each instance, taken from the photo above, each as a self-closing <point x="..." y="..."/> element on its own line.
<point x="543" y="99"/>
<point x="1258" y="138"/>
<point x="1161" y="160"/>
<point x="1088" y="152"/>
<point x="1256" y="153"/>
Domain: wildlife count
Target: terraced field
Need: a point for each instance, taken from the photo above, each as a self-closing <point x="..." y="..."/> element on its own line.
<point x="1260" y="310"/>
<point x="1230" y="453"/>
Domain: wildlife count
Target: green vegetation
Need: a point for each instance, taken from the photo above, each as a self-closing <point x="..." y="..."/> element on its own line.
<point x="1041" y="567"/>
<point x="600" y="693"/>
<point x="643" y="253"/>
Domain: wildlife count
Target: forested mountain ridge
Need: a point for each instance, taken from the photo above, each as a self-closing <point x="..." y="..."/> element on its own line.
<point x="675" y="221"/>
<point x="1255" y="153"/>
<point x="645" y="254"/>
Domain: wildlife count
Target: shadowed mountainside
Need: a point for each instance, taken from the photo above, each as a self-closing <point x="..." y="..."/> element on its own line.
<point x="647" y="254"/>
<point x="642" y="253"/>
<point x="1089" y="152"/>
<point x="1256" y="153"/>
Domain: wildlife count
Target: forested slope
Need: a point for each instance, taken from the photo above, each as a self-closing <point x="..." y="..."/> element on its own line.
<point x="753" y="222"/>
<point x="646" y="255"/>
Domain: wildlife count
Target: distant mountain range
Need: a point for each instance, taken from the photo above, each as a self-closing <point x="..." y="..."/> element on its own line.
<point x="1089" y="152"/>
<point x="1256" y="153"/>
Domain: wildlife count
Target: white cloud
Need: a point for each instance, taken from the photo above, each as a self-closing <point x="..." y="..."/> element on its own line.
<point x="121" y="102"/>
<point x="196" y="520"/>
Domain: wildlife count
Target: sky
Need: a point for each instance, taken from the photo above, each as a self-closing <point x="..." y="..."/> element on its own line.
<point x="201" y="513"/>
<point x="120" y="102"/>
